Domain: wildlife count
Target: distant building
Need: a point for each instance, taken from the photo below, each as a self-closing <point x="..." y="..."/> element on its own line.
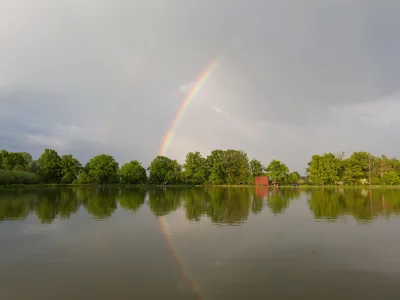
<point x="261" y="180"/>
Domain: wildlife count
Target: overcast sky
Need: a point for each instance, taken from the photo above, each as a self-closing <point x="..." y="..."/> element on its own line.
<point x="105" y="76"/>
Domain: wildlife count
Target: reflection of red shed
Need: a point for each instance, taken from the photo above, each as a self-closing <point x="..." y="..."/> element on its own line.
<point x="261" y="180"/>
<point x="262" y="192"/>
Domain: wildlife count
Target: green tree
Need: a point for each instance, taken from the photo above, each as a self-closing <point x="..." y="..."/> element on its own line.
<point x="50" y="166"/>
<point x="3" y="156"/>
<point x="351" y="171"/>
<point x="324" y="169"/>
<point x="18" y="161"/>
<point x="70" y="168"/>
<point x="293" y="177"/>
<point x="195" y="169"/>
<point x="103" y="169"/>
<point x="133" y="173"/>
<point x="396" y="165"/>
<point x="383" y="165"/>
<point x="390" y="178"/>
<point x="83" y="178"/>
<point x="236" y="166"/>
<point x="366" y="162"/>
<point x="256" y="168"/>
<point x="34" y="167"/>
<point x="164" y="170"/>
<point x="216" y="167"/>
<point x="278" y="171"/>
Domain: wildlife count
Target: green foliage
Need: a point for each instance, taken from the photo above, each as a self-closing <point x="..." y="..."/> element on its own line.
<point x="236" y="166"/>
<point x="70" y="168"/>
<point x="366" y="161"/>
<point x="18" y="177"/>
<point x="195" y="169"/>
<point x="164" y="170"/>
<point x="351" y="171"/>
<point x="390" y="178"/>
<point x="293" y="177"/>
<point x="103" y="169"/>
<point x="83" y="178"/>
<point x="132" y="173"/>
<point x="228" y="167"/>
<point x="277" y="171"/>
<point x="324" y="169"/>
<point x="17" y="161"/>
<point x="50" y="166"/>
<point x="221" y="167"/>
<point x="256" y="168"/>
<point x="395" y="164"/>
<point x="216" y="167"/>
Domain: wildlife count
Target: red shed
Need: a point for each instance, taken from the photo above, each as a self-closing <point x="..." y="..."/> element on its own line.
<point x="261" y="180"/>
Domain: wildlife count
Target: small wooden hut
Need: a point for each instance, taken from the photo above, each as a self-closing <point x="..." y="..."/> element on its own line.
<point x="261" y="181"/>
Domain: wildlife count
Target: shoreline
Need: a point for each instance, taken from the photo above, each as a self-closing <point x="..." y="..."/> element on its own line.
<point x="30" y="186"/>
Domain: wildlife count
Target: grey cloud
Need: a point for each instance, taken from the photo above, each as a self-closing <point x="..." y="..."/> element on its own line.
<point x="115" y="69"/>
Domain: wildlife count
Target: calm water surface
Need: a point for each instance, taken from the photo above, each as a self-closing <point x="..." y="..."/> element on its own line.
<point x="197" y="243"/>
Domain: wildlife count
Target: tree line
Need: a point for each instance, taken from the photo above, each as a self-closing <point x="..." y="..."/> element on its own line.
<point x="220" y="167"/>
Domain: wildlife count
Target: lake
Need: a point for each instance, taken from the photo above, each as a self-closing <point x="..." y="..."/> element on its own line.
<point x="199" y="243"/>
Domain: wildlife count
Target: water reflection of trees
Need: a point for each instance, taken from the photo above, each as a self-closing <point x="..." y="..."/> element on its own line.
<point x="279" y="199"/>
<point x="101" y="203"/>
<point x="230" y="206"/>
<point x="131" y="199"/>
<point x="48" y="204"/>
<point x="14" y="206"/>
<point x="164" y="200"/>
<point x="222" y="205"/>
<point x="362" y="204"/>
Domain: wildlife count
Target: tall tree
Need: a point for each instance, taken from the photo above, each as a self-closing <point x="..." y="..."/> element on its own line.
<point x="70" y="168"/>
<point x="216" y="167"/>
<point x="324" y="169"/>
<point x="50" y="166"/>
<point x="366" y="161"/>
<point x="103" y="169"/>
<point x="256" y="168"/>
<point x="351" y="171"/>
<point x="278" y="171"/>
<point x="164" y="170"/>
<point x="236" y="166"/>
<point x="133" y="173"/>
<point x="195" y="169"/>
<point x="383" y="165"/>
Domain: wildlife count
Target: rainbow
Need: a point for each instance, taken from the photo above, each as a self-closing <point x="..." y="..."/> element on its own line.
<point x="200" y="81"/>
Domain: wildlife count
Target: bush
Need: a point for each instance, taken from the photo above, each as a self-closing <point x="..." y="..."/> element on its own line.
<point x="18" y="177"/>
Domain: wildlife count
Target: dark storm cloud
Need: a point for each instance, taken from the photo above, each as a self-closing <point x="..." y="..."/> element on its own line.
<point x="107" y="75"/>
